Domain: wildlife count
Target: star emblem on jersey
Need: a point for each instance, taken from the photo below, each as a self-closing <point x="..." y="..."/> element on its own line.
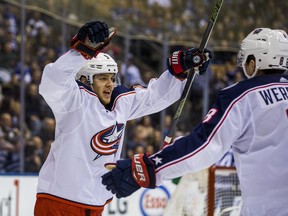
<point x="106" y="142"/>
<point x="157" y="160"/>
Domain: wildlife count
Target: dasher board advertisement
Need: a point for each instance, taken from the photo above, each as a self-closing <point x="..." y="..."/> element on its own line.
<point x="18" y="196"/>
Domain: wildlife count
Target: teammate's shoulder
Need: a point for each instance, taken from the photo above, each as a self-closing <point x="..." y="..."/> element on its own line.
<point x="238" y="88"/>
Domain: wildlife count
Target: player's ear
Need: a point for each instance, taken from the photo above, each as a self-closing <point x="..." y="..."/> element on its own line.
<point x="250" y="58"/>
<point x="251" y="64"/>
<point x="83" y="79"/>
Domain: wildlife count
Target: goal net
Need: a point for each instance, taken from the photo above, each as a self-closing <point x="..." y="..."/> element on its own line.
<point x="214" y="191"/>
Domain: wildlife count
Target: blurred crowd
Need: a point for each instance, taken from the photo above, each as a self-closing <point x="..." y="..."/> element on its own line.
<point x="42" y="47"/>
<point x="179" y="20"/>
<point x="186" y="20"/>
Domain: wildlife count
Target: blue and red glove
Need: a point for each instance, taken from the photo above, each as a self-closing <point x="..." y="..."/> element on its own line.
<point x="92" y="38"/>
<point x="181" y="61"/>
<point x="130" y="175"/>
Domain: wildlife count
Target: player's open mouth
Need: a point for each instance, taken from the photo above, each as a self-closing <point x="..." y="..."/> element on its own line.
<point x="107" y="93"/>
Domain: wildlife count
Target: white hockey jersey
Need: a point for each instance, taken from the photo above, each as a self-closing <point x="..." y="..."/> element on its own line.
<point x="252" y="117"/>
<point x="89" y="135"/>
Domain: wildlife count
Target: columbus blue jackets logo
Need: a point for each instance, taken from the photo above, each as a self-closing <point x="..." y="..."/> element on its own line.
<point x="106" y="142"/>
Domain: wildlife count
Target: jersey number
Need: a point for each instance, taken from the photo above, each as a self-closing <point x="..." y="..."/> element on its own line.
<point x="210" y="114"/>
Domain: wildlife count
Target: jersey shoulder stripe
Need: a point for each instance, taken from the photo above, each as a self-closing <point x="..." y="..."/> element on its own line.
<point x="236" y="90"/>
<point x="118" y="92"/>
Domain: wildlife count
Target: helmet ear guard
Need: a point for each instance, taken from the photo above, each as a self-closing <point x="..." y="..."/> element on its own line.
<point x="102" y="63"/>
<point x="269" y="47"/>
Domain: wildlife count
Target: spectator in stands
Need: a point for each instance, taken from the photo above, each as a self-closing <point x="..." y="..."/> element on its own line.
<point x="10" y="92"/>
<point x="130" y="73"/>
<point x="5" y="148"/>
<point x="47" y="130"/>
<point x="12" y="143"/>
<point x="33" y="109"/>
<point x="150" y="149"/>
<point x="162" y="3"/>
<point x="36" y="25"/>
<point x="220" y="78"/>
<point x="11" y="41"/>
<point x="139" y="149"/>
<point x="11" y="133"/>
<point x="38" y="145"/>
<point x="138" y="138"/>
<point x="8" y="57"/>
<point x="157" y="140"/>
<point x="147" y="75"/>
<point x="146" y="127"/>
<point x="36" y="72"/>
<point x="9" y="17"/>
<point x="33" y="160"/>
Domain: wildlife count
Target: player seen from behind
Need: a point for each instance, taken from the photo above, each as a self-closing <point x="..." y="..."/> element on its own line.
<point x="91" y="112"/>
<point x="251" y="116"/>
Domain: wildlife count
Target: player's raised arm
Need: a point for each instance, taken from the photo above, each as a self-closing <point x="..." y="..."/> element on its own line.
<point x="59" y="77"/>
<point x="166" y="89"/>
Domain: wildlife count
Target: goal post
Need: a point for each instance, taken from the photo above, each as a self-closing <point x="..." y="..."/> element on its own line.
<point x="223" y="195"/>
<point x="210" y="192"/>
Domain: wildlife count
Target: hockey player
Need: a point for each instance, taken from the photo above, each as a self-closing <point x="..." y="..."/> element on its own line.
<point x="251" y="116"/>
<point x="91" y="114"/>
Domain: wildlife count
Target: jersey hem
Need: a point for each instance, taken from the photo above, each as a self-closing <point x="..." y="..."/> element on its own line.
<point x="73" y="203"/>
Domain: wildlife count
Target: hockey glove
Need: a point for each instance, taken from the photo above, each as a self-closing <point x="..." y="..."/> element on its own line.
<point x="92" y="38"/>
<point x="129" y="175"/>
<point x="181" y="61"/>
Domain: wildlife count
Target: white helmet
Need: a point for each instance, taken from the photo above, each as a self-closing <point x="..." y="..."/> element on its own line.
<point x="269" y="47"/>
<point x="102" y="63"/>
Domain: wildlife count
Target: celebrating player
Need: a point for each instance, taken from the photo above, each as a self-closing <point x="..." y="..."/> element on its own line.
<point x="91" y="114"/>
<point x="251" y="116"/>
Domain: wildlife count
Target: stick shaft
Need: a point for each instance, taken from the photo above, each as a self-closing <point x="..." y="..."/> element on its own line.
<point x="210" y="25"/>
<point x="192" y="73"/>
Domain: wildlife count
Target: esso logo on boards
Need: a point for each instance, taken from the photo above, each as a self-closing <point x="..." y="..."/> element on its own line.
<point x="153" y="201"/>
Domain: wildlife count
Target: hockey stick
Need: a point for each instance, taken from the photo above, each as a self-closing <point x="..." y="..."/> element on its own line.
<point x="192" y="73"/>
